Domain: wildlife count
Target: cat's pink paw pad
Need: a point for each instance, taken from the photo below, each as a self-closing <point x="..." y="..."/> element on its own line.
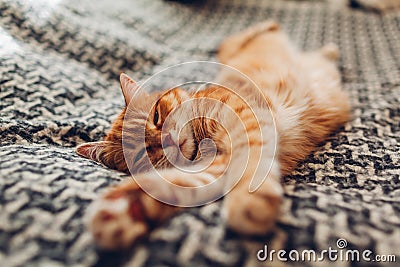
<point x="115" y="223"/>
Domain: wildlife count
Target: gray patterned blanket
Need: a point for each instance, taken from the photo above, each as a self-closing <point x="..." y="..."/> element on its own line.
<point x="59" y="63"/>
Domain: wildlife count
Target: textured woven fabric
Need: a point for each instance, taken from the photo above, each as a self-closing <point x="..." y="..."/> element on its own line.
<point x="59" y="63"/>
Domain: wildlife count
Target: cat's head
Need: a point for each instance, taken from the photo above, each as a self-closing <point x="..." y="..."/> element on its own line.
<point x="152" y="130"/>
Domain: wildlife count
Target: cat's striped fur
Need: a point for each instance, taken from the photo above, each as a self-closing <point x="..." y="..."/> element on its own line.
<point x="302" y="91"/>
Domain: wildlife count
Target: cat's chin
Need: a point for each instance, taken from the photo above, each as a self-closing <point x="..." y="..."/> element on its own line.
<point x="173" y="155"/>
<point x="179" y="155"/>
<point x="188" y="151"/>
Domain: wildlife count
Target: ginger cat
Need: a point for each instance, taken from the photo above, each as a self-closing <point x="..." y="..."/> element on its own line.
<point x="304" y="98"/>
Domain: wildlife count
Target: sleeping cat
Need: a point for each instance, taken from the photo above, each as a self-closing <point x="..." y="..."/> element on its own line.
<point x="301" y="92"/>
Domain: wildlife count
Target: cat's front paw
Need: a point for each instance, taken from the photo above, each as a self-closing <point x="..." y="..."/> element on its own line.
<point x="116" y="220"/>
<point x="253" y="213"/>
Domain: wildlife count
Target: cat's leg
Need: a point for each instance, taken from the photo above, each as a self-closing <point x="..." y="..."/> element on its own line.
<point x="253" y="205"/>
<point x="254" y="212"/>
<point x="125" y="212"/>
<point x="234" y="43"/>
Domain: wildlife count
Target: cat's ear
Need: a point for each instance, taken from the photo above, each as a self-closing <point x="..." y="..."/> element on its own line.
<point x="128" y="86"/>
<point x="93" y="150"/>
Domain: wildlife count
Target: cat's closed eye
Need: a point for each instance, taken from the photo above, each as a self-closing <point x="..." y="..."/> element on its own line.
<point x="156" y="117"/>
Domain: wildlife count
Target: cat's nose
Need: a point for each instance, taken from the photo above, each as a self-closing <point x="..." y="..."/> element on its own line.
<point x="167" y="140"/>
